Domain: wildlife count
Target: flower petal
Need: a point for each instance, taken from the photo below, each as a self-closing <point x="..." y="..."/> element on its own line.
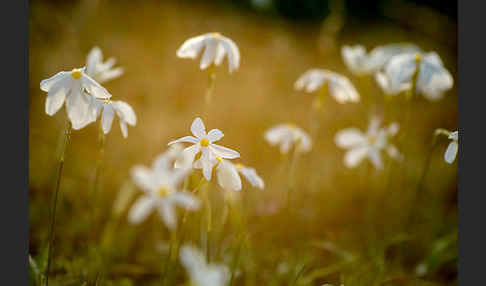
<point x="94" y="88"/>
<point x="141" y="209"/>
<point x="232" y="52"/>
<point x="451" y="152"/>
<point x="211" y="47"/>
<point x="124" y="129"/>
<point x="77" y="107"/>
<point x="143" y="178"/>
<point x="349" y="137"/>
<point x="191" y="47"/>
<point x="125" y="112"/>
<point x="207" y="163"/>
<point x="251" y="175"/>
<point x="228" y="177"/>
<point x="375" y="158"/>
<point x="198" y="129"/>
<point x="186" y="200"/>
<point x="47" y="84"/>
<point x="215" y="135"/>
<point x="94" y="58"/>
<point x="167" y="213"/>
<point x="354" y="156"/>
<point x="192" y="258"/>
<point x="107" y="117"/>
<point x="111" y="74"/>
<point x="224" y="152"/>
<point x="454" y="135"/>
<point x="187" y="157"/>
<point x="185" y="139"/>
<point x="55" y="98"/>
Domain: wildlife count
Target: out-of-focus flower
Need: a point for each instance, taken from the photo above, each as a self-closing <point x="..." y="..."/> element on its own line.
<point x="338" y="86"/>
<point x="451" y="152"/>
<point x="360" y="63"/>
<point x="159" y="185"/>
<point x="70" y="87"/>
<point x="216" y="47"/>
<point x="368" y="145"/>
<point x="99" y="70"/>
<point x="203" y="142"/>
<point x="287" y="135"/>
<point x="201" y="273"/>
<point x="122" y="109"/>
<point x="432" y="78"/>
<point x="228" y="176"/>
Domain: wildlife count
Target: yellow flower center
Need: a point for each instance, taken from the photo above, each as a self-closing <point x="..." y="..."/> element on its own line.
<point x="372" y="139"/>
<point x="76" y="74"/>
<point x="219" y="159"/>
<point x="418" y="58"/>
<point x="239" y="166"/>
<point x="216" y="35"/>
<point x="204" y="142"/>
<point x="163" y="191"/>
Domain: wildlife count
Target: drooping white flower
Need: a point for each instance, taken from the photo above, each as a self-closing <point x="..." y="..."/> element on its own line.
<point x="228" y="174"/>
<point x="432" y="78"/>
<point x="451" y="152"/>
<point x="99" y="70"/>
<point x="203" y="142"/>
<point x="216" y="47"/>
<point x="159" y="185"/>
<point x="122" y="109"/>
<point x="338" y="86"/>
<point x="70" y="87"/>
<point x="201" y="273"/>
<point x="367" y="145"/>
<point x="360" y="63"/>
<point x="287" y="135"/>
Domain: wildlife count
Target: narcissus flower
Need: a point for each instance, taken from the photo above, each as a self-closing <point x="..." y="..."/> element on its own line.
<point x="70" y="87"/>
<point x="367" y="145"/>
<point x="360" y="63"/>
<point x="337" y="85"/>
<point x="216" y="47"/>
<point x="159" y="185"/>
<point x="201" y="273"/>
<point x="451" y="152"/>
<point x="122" y="109"/>
<point x="287" y="135"/>
<point x="432" y="78"/>
<point x="203" y="142"/>
<point x="99" y="70"/>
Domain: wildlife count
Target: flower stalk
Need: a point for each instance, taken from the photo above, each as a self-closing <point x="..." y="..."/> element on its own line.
<point x="50" y="241"/>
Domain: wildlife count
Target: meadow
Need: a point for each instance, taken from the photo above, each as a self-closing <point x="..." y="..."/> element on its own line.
<point x="316" y="221"/>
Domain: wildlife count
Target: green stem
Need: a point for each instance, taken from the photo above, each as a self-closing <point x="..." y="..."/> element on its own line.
<point x="50" y="246"/>
<point x="210" y="90"/>
<point x="172" y="257"/>
<point x="98" y="173"/>
<point x="293" y="163"/>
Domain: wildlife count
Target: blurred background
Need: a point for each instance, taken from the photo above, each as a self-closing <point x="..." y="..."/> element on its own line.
<point x="278" y="41"/>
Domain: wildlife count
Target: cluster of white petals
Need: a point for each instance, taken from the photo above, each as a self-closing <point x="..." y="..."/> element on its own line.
<point x="360" y="63"/>
<point x="99" y="70"/>
<point x="70" y="87"/>
<point x="287" y="135"/>
<point x="122" y="109"/>
<point x="367" y="145"/>
<point x="451" y="151"/>
<point x="160" y="187"/>
<point x="338" y="86"/>
<point x="200" y="272"/>
<point x="433" y="79"/>
<point x="216" y="47"/>
<point x="204" y="142"/>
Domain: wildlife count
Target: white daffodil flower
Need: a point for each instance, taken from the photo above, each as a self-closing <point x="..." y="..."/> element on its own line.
<point x="338" y="86"/>
<point x="201" y="273"/>
<point x="172" y="155"/>
<point x="360" y="63"/>
<point x="228" y="174"/>
<point x="122" y="109"/>
<point x="432" y="78"/>
<point x="159" y="185"/>
<point x="287" y="135"/>
<point x="368" y="145"/>
<point x="216" y="47"/>
<point x="451" y="152"/>
<point x="203" y="142"/>
<point x="70" y="87"/>
<point x="99" y="70"/>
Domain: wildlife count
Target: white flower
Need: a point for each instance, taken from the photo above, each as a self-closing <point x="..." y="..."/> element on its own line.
<point x="122" y="109"/>
<point x="228" y="176"/>
<point x="367" y="145"/>
<point x="159" y="185"/>
<point x="286" y="135"/>
<point x="360" y="63"/>
<point x="201" y="273"/>
<point x="451" y="152"/>
<point x="432" y="81"/>
<point x="216" y="47"/>
<point x="70" y="87"/>
<point x="99" y="70"/>
<point x="203" y="142"/>
<point x="339" y="86"/>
